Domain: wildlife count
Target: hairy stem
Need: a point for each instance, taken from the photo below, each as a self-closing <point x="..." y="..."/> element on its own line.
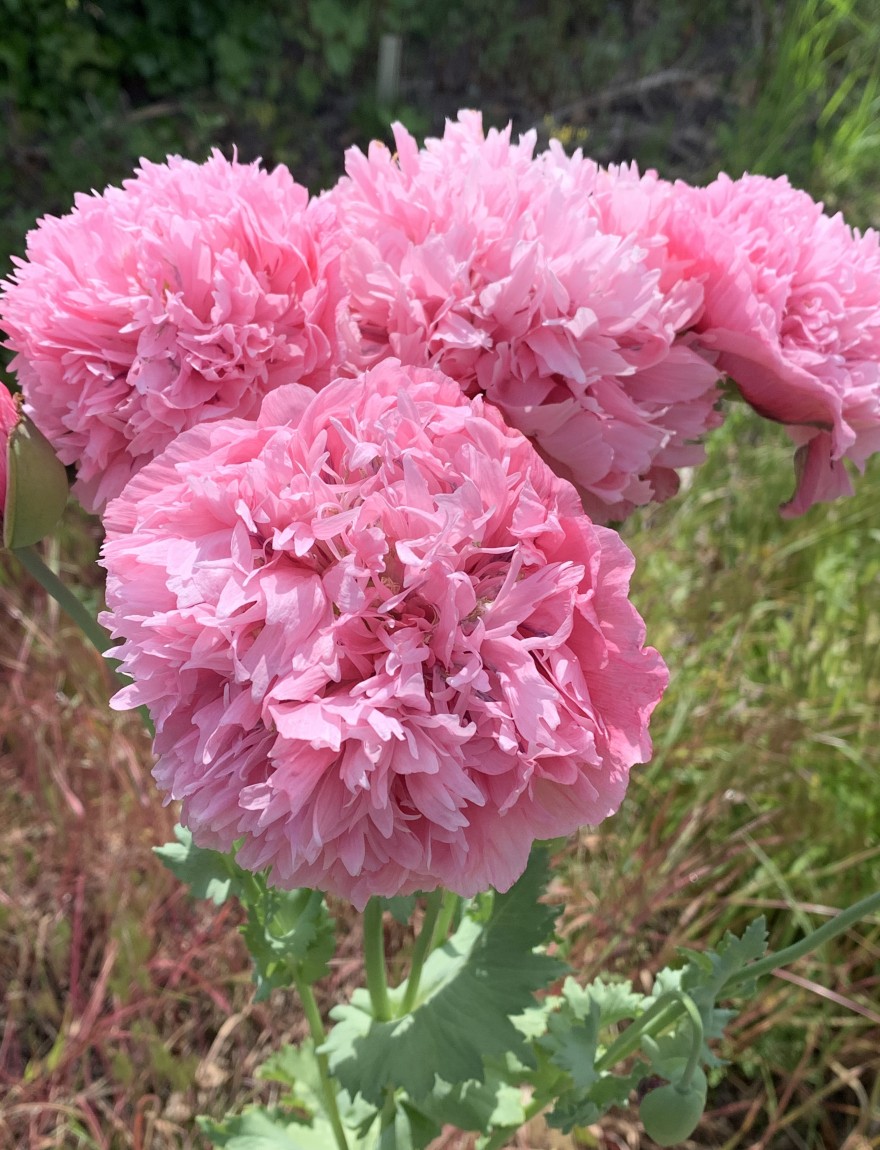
<point x="374" y="960"/>
<point x="316" y="1026"/>
<point x="421" y="949"/>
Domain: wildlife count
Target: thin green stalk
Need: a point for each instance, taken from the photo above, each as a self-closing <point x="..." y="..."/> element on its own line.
<point x="669" y="1006"/>
<point x="421" y="949"/>
<point x="696" y="1041"/>
<point x="374" y="960"/>
<point x="813" y="941"/>
<point x="316" y="1026"/>
<point x="32" y="562"/>
<point x="655" y="1020"/>
<point x="448" y="910"/>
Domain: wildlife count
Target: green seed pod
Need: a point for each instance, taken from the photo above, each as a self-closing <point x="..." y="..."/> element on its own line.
<point x="36" y="487"/>
<point x="671" y="1113"/>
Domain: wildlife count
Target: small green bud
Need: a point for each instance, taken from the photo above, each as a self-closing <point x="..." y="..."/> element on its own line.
<point x="671" y="1113"/>
<point x="36" y="486"/>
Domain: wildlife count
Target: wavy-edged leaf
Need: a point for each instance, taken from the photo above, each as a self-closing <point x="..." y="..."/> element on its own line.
<point x="260" y="1129"/>
<point x="208" y="874"/>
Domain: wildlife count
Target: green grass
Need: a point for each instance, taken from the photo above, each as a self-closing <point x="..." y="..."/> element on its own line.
<point x="772" y="630"/>
<point x="810" y="103"/>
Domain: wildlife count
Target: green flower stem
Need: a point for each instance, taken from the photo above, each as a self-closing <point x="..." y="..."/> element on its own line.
<point x="32" y="562"/>
<point x="448" y="910"/>
<point x="812" y="941"/>
<point x="389" y="1109"/>
<point x="662" y="1013"/>
<point x="696" y="1042"/>
<point x="316" y="1026"/>
<point x="374" y="960"/>
<point x="421" y="949"/>
<point x="657" y="1018"/>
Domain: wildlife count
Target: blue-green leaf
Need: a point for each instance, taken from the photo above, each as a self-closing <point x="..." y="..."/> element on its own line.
<point x="208" y="874"/>
<point x="470" y="989"/>
<point x="260" y="1129"/>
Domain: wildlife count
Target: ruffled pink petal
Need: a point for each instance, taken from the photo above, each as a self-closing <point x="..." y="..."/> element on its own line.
<point x="792" y="315"/>
<point x="186" y="295"/>
<point x="543" y="282"/>
<point x="381" y="644"/>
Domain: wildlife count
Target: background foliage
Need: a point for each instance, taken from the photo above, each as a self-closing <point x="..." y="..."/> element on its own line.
<point x="89" y="86"/>
<point x="126" y="1008"/>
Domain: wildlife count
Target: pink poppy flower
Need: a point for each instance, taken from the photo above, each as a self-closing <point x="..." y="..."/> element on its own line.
<point x="380" y="641"/>
<point x="538" y="283"/>
<point x="186" y="295"/>
<point x="792" y="312"/>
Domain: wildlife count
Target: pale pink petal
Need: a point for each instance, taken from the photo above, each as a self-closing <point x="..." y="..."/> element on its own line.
<point x="792" y="315"/>
<point x="382" y="646"/>
<point x="186" y="295"/>
<point x="543" y="282"/>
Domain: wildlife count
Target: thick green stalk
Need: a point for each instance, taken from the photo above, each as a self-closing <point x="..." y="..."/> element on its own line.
<point x="421" y="949"/>
<point x="374" y="960"/>
<point x="316" y="1026"/>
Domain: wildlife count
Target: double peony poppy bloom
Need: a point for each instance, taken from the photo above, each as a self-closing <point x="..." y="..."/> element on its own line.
<point x="512" y="275"/>
<point x="792" y="314"/>
<point x="383" y="646"/>
<point x="185" y="295"/>
<point x="380" y="641"/>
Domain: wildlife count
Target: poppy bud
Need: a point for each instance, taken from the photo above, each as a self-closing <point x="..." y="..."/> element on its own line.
<point x="671" y="1113"/>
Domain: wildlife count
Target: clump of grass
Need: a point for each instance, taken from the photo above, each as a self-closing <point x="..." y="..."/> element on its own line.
<point x="811" y="107"/>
